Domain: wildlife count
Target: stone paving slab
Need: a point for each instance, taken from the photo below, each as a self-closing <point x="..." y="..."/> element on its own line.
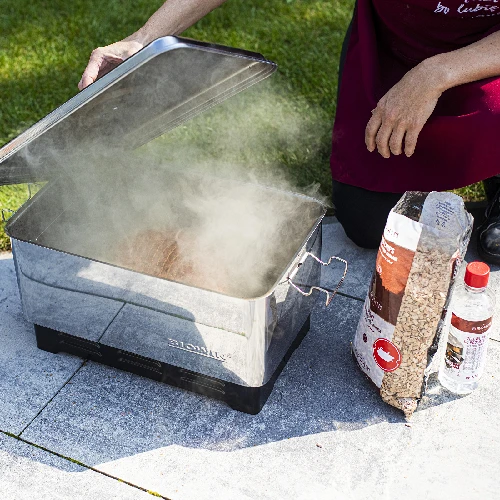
<point x="29" y="378"/>
<point x="361" y="262"/>
<point x="184" y="445"/>
<point x="323" y="430"/>
<point x="28" y="473"/>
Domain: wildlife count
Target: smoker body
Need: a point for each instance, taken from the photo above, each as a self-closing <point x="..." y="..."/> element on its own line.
<point x="229" y="347"/>
<point x="82" y="300"/>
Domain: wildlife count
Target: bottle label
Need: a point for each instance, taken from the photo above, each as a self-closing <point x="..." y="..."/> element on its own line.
<point x="466" y="349"/>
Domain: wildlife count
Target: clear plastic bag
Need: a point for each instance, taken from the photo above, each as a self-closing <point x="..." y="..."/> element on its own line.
<point x="424" y="243"/>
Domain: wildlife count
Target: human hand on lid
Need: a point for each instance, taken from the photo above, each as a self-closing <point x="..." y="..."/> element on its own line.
<point x="104" y="59"/>
<point x="172" y="18"/>
<point x="402" y="112"/>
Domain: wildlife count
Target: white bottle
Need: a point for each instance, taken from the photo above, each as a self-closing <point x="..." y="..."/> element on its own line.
<point x="472" y="306"/>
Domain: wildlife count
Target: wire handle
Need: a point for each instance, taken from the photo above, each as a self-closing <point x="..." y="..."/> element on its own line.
<point x="329" y="293"/>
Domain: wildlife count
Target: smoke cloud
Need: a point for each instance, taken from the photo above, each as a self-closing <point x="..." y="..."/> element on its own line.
<point x="209" y="204"/>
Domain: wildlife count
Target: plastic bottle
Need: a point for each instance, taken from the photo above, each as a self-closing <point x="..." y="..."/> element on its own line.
<point x="472" y="306"/>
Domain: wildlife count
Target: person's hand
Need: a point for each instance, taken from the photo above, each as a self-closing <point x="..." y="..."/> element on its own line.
<point x="104" y="59"/>
<point x="401" y="114"/>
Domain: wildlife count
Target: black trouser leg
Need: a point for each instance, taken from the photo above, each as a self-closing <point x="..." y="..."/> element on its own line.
<point x="362" y="213"/>
<point x="488" y="233"/>
<point x="491" y="186"/>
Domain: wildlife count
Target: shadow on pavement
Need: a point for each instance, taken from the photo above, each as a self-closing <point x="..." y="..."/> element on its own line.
<point x="105" y="414"/>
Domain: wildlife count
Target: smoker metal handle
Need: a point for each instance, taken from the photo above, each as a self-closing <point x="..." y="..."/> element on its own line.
<point x="329" y="293"/>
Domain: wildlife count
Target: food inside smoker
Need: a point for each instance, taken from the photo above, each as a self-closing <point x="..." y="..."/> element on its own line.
<point x="158" y="253"/>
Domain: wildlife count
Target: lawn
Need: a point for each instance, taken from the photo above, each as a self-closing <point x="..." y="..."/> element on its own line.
<point x="45" y="44"/>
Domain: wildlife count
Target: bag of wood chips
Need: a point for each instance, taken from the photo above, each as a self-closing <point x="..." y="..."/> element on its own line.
<point x="424" y="243"/>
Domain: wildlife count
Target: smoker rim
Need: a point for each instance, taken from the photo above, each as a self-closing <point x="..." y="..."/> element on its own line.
<point x="282" y="276"/>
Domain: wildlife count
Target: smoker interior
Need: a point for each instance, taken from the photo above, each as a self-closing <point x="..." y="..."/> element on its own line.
<point x="155" y="234"/>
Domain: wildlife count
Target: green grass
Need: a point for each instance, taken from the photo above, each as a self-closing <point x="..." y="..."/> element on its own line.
<point x="45" y="45"/>
<point x="10" y="197"/>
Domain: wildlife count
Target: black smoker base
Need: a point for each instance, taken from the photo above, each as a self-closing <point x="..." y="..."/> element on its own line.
<point x="241" y="398"/>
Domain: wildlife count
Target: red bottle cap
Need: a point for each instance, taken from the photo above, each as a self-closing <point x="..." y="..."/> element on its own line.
<point x="477" y="274"/>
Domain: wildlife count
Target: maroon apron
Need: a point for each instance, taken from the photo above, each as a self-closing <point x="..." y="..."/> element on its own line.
<point x="460" y="143"/>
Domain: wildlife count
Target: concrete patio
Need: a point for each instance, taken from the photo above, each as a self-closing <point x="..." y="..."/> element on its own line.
<point x="72" y="429"/>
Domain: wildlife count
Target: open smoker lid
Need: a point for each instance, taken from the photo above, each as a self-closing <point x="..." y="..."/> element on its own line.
<point x="162" y="86"/>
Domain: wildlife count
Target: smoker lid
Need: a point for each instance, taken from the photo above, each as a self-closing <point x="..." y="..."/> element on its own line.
<point x="162" y="86"/>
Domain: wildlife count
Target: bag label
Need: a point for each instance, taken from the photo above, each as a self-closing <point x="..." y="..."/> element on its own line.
<point x="386" y="355"/>
<point x="392" y="269"/>
<point x="372" y="346"/>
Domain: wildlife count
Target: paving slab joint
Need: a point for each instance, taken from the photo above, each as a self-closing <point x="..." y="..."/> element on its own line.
<point x="52" y="398"/>
<point x="81" y="464"/>
<point x="346" y="295"/>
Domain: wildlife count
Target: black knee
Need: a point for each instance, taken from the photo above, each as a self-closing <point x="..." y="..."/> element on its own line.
<point x="362" y="213"/>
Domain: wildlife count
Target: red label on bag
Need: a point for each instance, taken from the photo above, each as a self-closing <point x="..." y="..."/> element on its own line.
<point x="386" y="355"/>
<point x="391" y="275"/>
<point x="463" y="325"/>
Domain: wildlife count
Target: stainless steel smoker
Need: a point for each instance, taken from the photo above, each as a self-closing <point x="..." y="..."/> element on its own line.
<point x="223" y="342"/>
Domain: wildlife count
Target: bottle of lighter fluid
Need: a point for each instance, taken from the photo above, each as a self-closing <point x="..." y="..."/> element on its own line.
<point x="472" y="307"/>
